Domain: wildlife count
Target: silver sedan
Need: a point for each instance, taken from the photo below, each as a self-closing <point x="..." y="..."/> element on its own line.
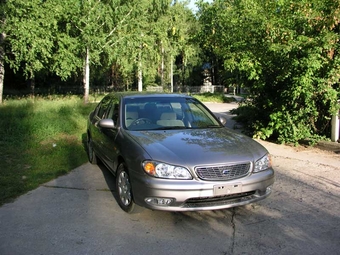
<point x="169" y="152"/>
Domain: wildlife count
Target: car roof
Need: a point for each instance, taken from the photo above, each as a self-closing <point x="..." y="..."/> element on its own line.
<point x="136" y="94"/>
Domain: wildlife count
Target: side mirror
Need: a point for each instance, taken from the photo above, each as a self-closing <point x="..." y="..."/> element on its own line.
<point x="106" y="123"/>
<point x="222" y="120"/>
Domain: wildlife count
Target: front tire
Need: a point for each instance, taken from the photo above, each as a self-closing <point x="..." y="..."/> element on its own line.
<point x="90" y="152"/>
<point x="124" y="189"/>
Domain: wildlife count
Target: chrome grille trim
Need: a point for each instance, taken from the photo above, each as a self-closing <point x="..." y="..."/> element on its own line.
<point x="223" y="172"/>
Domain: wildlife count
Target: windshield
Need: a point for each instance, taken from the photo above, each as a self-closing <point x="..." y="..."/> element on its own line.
<point x="162" y="113"/>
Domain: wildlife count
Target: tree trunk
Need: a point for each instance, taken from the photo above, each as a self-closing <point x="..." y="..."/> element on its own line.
<point x="172" y="76"/>
<point x="2" y="66"/>
<point x="162" y="69"/>
<point x="32" y="85"/>
<point x="86" y="77"/>
<point x="140" y="74"/>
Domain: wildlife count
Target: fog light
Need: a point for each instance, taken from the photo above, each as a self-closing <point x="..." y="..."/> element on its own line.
<point x="269" y="189"/>
<point x="158" y="201"/>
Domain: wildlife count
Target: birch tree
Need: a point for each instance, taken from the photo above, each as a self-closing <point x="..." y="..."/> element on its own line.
<point x="29" y="30"/>
<point x="2" y="50"/>
<point x="71" y="37"/>
<point x="66" y="37"/>
<point x="89" y="30"/>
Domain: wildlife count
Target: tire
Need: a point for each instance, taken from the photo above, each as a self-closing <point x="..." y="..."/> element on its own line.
<point x="124" y="189"/>
<point x="90" y="152"/>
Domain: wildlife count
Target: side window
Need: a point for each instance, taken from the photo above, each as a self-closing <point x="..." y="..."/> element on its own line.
<point x="113" y="111"/>
<point x="200" y="116"/>
<point x="104" y="105"/>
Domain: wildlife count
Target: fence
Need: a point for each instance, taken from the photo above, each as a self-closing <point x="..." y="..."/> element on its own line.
<point x="190" y="89"/>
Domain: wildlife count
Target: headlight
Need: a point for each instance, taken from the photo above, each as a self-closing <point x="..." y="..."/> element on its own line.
<point x="263" y="163"/>
<point x="162" y="170"/>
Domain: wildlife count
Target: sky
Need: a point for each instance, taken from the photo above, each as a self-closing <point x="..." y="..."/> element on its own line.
<point x="193" y="6"/>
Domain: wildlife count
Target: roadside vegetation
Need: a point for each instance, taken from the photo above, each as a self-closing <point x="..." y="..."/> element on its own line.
<point x="287" y="54"/>
<point x="40" y="139"/>
<point x="214" y="97"/>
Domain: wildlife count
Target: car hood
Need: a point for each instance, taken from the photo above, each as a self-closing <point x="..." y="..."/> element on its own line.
<point x="192" y="147"/>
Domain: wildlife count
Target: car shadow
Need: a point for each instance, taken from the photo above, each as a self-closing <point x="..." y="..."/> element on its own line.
<point x="108" y="176"/>
<point x="110" y="180"/>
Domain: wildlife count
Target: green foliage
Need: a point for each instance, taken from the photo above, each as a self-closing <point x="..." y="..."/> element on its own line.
<point x="247" y="114"/>
<point x="287" y="53"/>
<point x="118" y="36"/>
<point x="214" y="97"/>
<point x="40" y="139"/>
<point x="29" y="27"/>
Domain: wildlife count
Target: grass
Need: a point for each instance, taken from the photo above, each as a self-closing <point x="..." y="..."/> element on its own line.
<point x="40" y="139"/>
<point x="214" y="98"/>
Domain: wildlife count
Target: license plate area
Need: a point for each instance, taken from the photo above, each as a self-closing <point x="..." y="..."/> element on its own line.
<point x="227" y="189"/>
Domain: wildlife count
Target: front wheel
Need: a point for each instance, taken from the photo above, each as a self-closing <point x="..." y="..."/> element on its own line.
<point x="90" y="152"/>
<point x="124" y="190"/>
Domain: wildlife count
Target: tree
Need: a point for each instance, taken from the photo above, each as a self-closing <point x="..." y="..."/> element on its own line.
<point x="120" y="33"/>
<point x="68" y="38"/>
<point x="90" y="30"/>
<point x="182" y="32"/>
<point x="29" y="27"/>
<point x="206" y="37"/>
<point x="287" y="54"/>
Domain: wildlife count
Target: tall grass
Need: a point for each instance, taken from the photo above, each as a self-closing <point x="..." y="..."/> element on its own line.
<point x="40" y="139"/>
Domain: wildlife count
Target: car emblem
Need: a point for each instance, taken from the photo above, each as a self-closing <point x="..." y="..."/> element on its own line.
<point x="225" y="172"/>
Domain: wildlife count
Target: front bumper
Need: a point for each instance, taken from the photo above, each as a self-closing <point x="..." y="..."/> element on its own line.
<point x="195" y="195"/>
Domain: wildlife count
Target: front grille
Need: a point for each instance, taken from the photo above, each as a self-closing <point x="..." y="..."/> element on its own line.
<point x="219" y="201"/>
<point x="223" y="173"/>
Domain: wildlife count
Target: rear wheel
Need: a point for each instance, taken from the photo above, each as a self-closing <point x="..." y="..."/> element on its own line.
<point x="90" y="152"/>
<point x="124" y="190"/>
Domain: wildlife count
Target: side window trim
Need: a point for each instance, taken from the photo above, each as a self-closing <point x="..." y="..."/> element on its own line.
<point x="103" y="107"/>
